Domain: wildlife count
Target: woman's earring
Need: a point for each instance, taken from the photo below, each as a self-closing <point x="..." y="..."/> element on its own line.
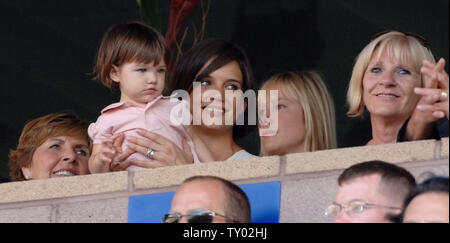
<point x="27" y="177"/>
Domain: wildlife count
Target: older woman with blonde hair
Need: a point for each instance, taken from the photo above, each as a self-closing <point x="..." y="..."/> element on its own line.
<point x="384" y="79"/>
<point x="304" y="112"/>
<point x="54" y="145"/>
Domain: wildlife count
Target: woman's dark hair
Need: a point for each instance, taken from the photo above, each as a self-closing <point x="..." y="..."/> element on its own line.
<point x="438" y="184"/>
<point x="221" y="52"/>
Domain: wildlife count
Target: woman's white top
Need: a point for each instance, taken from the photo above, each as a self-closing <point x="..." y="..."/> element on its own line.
<point x="242" y="154"/>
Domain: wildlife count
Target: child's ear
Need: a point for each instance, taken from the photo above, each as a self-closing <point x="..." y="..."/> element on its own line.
<point x="114" y="74"/>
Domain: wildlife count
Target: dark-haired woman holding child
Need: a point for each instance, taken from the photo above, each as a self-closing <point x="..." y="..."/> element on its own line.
<point x="214" y="67"/>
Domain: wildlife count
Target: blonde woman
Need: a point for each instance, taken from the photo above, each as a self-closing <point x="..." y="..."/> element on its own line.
<point x="305" y="112"/>
<point x="385" y="76"/>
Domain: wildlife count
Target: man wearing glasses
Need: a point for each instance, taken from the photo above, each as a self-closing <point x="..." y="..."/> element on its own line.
<point x="208" y="199"/>
<point x="369" y="192"/>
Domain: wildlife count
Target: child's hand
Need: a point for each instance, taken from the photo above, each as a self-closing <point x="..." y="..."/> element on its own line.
<point x="104" y="154"/>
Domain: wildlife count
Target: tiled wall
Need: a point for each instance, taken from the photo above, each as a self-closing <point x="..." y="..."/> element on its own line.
<point x="308" y="183"/>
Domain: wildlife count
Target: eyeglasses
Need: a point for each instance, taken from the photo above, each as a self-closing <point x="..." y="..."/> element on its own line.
<point x="195" y="216"/>
<point x="419" y="38"/>
<point x="353" y="208"/>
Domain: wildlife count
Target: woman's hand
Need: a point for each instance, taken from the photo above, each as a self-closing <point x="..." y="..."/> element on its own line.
<point x="166" y="153"/>
<point x="432" y="106"/>
<point x="432" y="102"/>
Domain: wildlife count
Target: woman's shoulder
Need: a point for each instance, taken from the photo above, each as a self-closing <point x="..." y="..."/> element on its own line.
<point x="242" y="154"/>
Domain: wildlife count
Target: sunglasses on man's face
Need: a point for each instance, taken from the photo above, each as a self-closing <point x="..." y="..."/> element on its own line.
<point x="195" y="216"/>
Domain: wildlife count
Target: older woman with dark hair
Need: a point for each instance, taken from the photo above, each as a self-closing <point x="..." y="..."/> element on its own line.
<point x="385" y="77"/>
<point x="54" y="145"/>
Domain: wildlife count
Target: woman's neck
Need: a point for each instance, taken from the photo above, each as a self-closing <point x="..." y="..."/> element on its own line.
<point x="385" y="130"/>
<point x="220" y="143"/>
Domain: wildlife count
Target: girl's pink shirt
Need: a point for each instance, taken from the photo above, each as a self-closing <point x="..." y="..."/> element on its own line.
<point x="127" y="117"/>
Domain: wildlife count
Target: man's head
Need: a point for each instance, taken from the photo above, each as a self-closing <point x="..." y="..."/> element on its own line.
<point x="370" y="191"/>
<point x="428" y="202"/>
<point x="209" y="195"/>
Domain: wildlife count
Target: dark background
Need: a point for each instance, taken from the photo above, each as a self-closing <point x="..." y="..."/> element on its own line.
<point x="47" y="49"/>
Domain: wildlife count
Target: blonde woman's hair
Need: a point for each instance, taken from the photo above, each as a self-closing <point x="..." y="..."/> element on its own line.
<point x="318" y="107"/>
<point x="396" y="44"/>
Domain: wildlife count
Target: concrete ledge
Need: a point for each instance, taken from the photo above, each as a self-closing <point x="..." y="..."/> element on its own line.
<point x="40" y="214"/>
<point x="444" y="147"/>
<point x="425" y="170"/>
<point x="63" y="187"/>
<point x="305" y="200"/>
<point x="343" y="158"/>
<point x="113" y="210"/>
<point x="308" y="182"/>
<point x="231" y="170"/>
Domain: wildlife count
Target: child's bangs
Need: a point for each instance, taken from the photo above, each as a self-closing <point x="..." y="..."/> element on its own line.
<point x="148" y="53"/>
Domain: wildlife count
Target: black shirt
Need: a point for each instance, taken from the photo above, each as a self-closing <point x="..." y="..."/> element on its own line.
<point x="2" y="180"/>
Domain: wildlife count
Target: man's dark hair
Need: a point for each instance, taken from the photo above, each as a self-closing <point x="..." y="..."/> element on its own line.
<point x="396" y="182"/>
<point x="437" y="184"/>
<point x="237" y="205"/>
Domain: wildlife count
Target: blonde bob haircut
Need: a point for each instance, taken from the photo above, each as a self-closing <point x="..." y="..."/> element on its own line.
<point x="318" y="107"/>
<point x="402" y="46"/>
